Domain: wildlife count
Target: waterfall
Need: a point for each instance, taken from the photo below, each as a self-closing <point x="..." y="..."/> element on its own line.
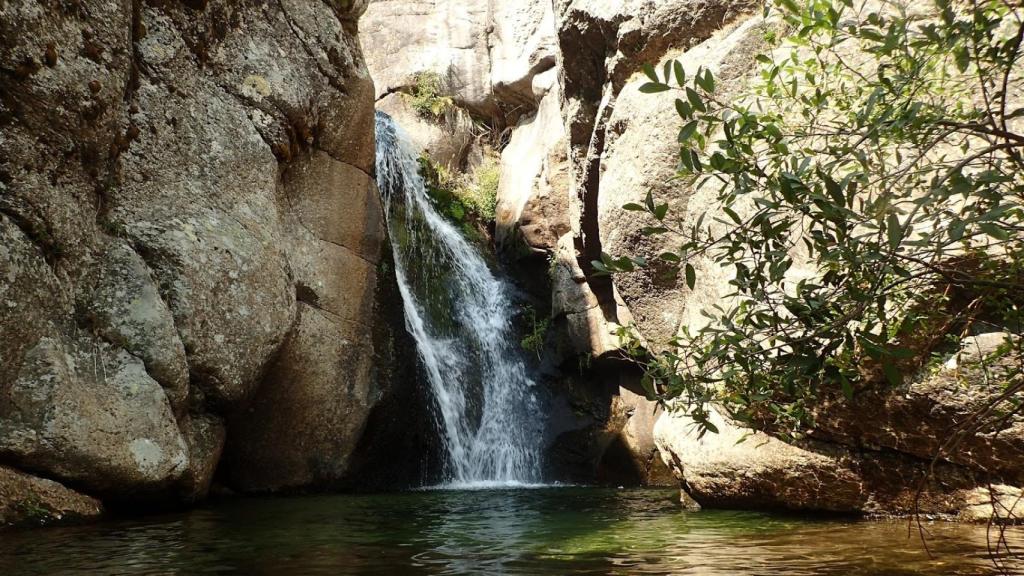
<point x="459" y="313"/>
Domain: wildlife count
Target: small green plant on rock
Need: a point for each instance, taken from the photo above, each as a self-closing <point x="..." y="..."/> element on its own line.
<point x="480" y="191"/>
<point x="427" y="95"/>
<point x="33" y="511"/>
<point x="534" y="340"/>
<point x="464" y="197"/>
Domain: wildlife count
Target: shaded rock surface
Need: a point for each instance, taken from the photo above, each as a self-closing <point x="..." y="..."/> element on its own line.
<point x="738" y="468"/>
<point x="187" y="214"/>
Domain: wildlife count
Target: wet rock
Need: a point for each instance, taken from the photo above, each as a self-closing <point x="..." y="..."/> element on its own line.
<point x="27" y="500"/>
<point x="632" y="458"/>
<point x="204" y="435"/>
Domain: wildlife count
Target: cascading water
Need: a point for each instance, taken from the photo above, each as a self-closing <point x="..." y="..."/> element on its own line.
<point x="459" y="313"/>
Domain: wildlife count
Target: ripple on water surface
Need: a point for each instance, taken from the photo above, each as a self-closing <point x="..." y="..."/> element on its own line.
<point x="568" y="530"/>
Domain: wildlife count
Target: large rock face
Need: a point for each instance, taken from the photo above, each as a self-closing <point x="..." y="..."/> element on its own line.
<point x="187" y="215"/>
<point x="448" y="38"/>
<point x="638" y="158"/>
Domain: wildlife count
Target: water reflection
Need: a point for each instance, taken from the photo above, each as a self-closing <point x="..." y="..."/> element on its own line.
<point x="543" y="531"/>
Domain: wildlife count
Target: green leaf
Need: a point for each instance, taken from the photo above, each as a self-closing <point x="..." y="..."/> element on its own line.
<point x="706" y="80"/>
<point x="650" y="73"/>
<point x="647" y="383"/>
<point x="894" y="231"/>
<point x="669" y="256"/>
<point x="789" y="5"/>
<point x="661" y="211"/>
<point x="652" y="230"/>
<point x="634" y="207"/>
<point x="833" y="188"/>
<point x="695" y="160"/>
<point x="994" y="231"/>
<point x="695" y="100"/>
<point x="963" y="58"/>
<point x="683" y="109"/>
<point x="653" y="87"/>
<point x="680" y="73"/>
<point x="847" y="387"/>
<point x="892" y="372"/>
<point x="732" y="214"/>
<point x="898" y="352"/>
<point x="956" y="230"/>
<point x="691" y="276"/>
<point x="711" y="427"/>
<point x="687" y="131"/>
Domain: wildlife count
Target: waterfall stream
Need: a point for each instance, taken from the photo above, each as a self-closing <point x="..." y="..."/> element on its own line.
<point x="460" y="314"/>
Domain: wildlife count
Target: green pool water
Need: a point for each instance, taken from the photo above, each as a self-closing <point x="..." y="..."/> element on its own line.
<point x="528" y="531"/>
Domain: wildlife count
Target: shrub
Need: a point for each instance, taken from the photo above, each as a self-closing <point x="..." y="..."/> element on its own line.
<point x="897" y="177"/>
<point x="480" y="190"/>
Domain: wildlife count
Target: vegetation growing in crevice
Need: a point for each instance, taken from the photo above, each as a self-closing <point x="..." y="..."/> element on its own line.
<point x="34" y="511"/>
<point x="428" y="95"/>
<point x="468" y="200"/>
<point x="537" y="332"/>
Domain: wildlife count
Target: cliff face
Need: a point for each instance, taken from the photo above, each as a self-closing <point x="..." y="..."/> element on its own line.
<point x="582" y="142"/>
<point x="190" y="244"/>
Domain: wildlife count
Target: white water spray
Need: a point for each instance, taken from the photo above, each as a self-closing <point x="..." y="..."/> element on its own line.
<point x="459" y="314"/>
